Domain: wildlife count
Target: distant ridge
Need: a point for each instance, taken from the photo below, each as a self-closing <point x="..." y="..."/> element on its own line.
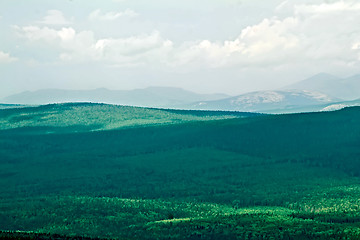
<point x="320" y="92"/>
<point x="268" y="102"/>
<point x="148" y="97"/>
<point x="344" y="88"/>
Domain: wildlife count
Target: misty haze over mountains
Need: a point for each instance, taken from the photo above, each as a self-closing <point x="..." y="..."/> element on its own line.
<point x="269" y="101"/>
<point x="320" y="92"/>
<point x="344" y="88"/>
<point x="148" y="97"/>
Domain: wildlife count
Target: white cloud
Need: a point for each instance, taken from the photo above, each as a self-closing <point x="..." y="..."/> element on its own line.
<point x="356" y="46"/>
<point x="335" y="7"/>
<point x="308" y="34"/>
<point x="323" y="34"/>
<point x="54" y="17"/>
<point x="111" y="16"/>
<point x="82" y="46"/>
<point x="282" y="6"/>
<point x="133" y="45"/>
<point x="267" y="41"/>
<point x="6" y="58"/>
<point x="269" y="36"/>
<point x="35" y="33"/>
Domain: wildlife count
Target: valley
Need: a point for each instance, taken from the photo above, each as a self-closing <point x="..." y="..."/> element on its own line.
<point x="180" y="120"/>
<point x="171" y="174"/>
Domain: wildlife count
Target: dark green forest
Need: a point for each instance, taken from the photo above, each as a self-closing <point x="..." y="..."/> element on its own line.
<point x="103" y="171"/>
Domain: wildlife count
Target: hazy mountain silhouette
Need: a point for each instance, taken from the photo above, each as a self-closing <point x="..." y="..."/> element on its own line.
<point x="268" y="101"/>
<point x="312" y="94"/>
<point x="150" y="97"/>
<point x="345" y="88"/>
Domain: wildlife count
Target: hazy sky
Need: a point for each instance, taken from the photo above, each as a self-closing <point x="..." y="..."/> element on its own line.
<point x="230" y="46"/>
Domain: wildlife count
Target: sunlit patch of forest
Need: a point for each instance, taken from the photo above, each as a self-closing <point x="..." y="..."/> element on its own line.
<point x="172" y="175"/>
<point x="96" y="117"/>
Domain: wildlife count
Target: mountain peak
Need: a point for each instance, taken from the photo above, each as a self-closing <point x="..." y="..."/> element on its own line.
<point x="268" y="101"/>
<point x="323" y="74"/>
<point x="344" y="88"/>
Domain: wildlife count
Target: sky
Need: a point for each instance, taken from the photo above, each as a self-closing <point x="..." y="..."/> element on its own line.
<point x="207" y="46"/>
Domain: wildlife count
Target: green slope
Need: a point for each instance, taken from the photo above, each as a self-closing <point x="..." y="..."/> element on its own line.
<point x="271" y="177"/>
<point x="89" y="117"/>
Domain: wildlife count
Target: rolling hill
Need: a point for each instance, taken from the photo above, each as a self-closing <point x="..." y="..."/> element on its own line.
<point x="283" y="176"/>
<point x="96" y="117"/>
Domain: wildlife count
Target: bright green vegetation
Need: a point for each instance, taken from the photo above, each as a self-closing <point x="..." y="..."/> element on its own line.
<point x="261" y="177"/>
<point x="96" y="117"/>
<point x="149" y="219"/>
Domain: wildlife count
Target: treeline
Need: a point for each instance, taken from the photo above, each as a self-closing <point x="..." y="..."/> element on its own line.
<point x="323" y="139"/>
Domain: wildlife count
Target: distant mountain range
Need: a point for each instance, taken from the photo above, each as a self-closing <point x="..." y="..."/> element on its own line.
<point x="148" y="97"/>
<point x="344" y="88"/>
<point x="322" y="92"/>
<point x="268" y="101"/>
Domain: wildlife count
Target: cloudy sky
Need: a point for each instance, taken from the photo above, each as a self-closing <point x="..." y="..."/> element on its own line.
<point x="230" y="46"/>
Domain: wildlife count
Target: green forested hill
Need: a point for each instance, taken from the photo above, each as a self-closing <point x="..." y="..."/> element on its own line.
<point x="270" y="176"/>
<point x="89" y="116"/>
